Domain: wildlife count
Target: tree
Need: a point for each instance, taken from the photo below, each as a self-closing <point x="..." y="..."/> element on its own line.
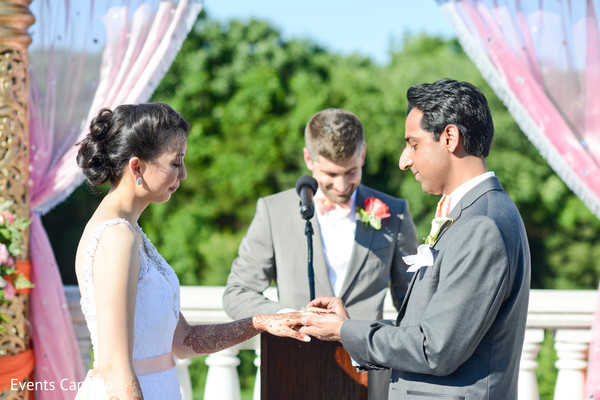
<point x="248" y="94"/>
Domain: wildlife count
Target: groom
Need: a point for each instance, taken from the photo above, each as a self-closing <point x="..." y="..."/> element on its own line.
<point x="459" y="333"/>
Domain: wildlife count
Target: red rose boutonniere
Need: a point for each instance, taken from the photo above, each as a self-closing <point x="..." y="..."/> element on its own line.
<point x="375" y="210"/>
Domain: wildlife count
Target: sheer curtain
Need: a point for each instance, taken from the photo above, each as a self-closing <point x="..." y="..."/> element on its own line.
<point x="85" y="55"/>
<point x="542" y="58"/>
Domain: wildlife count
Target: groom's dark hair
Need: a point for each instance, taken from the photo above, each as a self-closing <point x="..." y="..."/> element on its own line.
<point x="449" y="102"/>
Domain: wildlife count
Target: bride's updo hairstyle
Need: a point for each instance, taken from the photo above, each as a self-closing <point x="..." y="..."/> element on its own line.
<point x="143" y="130"/>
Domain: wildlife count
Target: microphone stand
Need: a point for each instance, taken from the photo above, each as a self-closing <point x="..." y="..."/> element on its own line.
<point x="306" y="188"/>
<point x="308" y="231"/>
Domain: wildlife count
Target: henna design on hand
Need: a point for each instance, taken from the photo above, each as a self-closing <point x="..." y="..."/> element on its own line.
<point x="279" y="324"/>
<point x="205" y="339"/>
<point x="134" y="390"/>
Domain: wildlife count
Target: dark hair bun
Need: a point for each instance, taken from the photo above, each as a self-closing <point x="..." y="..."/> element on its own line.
<point x="100" y="125"/>
<point x="92" y="157"/>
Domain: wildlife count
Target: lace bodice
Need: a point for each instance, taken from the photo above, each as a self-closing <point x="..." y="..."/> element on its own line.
<point x="157" y="301"/>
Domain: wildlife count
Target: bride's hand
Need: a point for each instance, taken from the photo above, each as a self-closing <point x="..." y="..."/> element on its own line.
<point x="280" y="325"/>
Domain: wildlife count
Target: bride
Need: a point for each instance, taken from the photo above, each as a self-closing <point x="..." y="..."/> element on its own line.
<point x="129" y="294"/>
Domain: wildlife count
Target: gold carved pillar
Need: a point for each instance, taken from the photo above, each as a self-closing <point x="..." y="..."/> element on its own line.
<point x="15" y="19"/>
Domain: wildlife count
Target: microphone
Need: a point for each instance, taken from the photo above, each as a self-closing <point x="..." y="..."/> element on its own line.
<point x="306" y="187"/>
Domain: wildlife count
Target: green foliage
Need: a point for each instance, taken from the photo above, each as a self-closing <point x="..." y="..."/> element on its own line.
<point x="546" y="372"/>
<point x="247" y="372"/>
<point x="13" y="228"/>
<point x="248" y="94"/>
<point x="198" y="371"/>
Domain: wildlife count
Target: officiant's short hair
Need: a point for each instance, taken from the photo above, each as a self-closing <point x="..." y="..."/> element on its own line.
<point x="334" y="134"/>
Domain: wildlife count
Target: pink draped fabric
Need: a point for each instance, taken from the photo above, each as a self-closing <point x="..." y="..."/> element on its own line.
<point x="542" y="58"/>
<point x="84" y="56"/>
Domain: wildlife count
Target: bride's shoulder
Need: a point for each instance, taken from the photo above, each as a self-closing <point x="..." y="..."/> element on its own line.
<point x="113" y="251"/>
<point x="117" y="232"/>
<point x="98" y="228"/>
<point x="112" y="234"/>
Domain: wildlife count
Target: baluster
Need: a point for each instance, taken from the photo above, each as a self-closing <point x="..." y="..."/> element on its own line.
<point x="257" y="388"/>
<point x="183" y="375"/>
<point x="528" y="388"/>
<point x="571" y="348"/>
<point x="222" y="380"/>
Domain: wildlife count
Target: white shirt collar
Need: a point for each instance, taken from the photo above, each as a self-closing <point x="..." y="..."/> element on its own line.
<point x="458" y="193"/>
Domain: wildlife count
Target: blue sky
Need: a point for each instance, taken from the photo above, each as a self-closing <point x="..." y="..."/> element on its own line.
<point x="345" y="26"/>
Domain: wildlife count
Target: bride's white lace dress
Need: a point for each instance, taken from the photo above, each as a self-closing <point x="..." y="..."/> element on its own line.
<point x="156" y="316"/>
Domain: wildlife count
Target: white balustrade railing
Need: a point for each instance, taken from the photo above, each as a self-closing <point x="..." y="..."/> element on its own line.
<point x="567" y="313"/>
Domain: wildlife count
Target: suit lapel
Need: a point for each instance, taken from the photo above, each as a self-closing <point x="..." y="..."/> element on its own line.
<point x="319" y="265"/>
<point x="469" y="198"/>
<point x="405" y="300"/>
<point x="362" y="243"/>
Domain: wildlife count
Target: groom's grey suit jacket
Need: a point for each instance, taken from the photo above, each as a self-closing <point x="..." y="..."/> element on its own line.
<point x="275" y="249"/>
<point x="459" y="333"/>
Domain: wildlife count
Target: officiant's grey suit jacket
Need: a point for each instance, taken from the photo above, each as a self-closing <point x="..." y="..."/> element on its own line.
<point x="275" y="249"/>
<point x="459" y="333"/>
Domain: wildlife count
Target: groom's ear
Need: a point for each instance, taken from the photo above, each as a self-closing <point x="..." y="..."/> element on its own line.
<point x="451" y="138"/>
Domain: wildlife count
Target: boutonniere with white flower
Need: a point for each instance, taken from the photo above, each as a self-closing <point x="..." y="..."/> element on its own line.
<point x="424" y="256"/>
<point x="375" y="210"/>
<point x="436" y="226"/>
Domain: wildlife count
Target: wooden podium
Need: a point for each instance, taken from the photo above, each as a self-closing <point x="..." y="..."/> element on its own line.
<point x="317" y="370"/>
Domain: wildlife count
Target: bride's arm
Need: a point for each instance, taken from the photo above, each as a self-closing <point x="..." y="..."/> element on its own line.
<point x="116" y="270"/>
<point x="195" y="340"/>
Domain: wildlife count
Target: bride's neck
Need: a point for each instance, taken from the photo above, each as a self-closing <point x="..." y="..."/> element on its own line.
<point x="124" y="204"/>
